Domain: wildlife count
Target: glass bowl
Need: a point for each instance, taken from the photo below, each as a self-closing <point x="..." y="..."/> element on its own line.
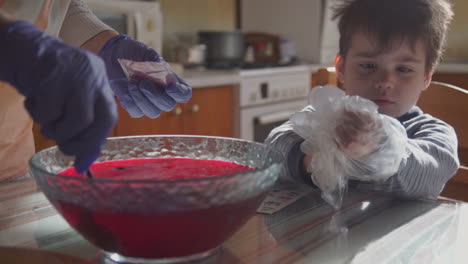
<point x="146" y="220"/>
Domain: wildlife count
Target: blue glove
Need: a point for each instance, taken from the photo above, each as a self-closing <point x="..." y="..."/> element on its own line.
<point x="66" y="89"/>
<point x="141" y="97"/>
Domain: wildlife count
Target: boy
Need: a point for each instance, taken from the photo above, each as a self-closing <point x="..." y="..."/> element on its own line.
<point x="388" y="52"/>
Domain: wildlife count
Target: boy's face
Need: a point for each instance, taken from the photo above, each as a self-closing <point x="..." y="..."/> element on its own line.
<point x="393" y="78"/>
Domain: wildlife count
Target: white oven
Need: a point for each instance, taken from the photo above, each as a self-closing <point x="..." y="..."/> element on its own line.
<point x="268" y="97"/>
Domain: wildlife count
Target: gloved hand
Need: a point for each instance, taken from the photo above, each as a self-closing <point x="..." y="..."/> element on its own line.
<point x="141" y="97"/>
<point x="66" y="89"/>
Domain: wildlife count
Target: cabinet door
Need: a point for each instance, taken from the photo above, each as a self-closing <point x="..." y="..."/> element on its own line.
<point x="41" y="142"/>
<point x="210" y="112"/>
<point x="166" y="123"/>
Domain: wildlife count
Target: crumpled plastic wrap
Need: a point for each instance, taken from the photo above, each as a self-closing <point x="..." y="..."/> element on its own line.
<point x="159" y="72"/>
<point x="347" y="139"/>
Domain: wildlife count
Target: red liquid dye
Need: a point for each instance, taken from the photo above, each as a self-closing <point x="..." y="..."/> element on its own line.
<point x="165" y="234"/>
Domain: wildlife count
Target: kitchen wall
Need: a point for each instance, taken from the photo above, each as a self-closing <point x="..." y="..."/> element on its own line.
<point x="457" y="40"/>
<point x="186" y="17"/>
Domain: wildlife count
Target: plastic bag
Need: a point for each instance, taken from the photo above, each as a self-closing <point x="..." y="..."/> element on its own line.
<point x="347" y="139"/>
<point x="159" y="72"/>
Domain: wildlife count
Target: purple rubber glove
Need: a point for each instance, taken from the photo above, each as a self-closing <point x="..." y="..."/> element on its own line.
<point x="66" y="89"/>
<point x="141" y="97"/>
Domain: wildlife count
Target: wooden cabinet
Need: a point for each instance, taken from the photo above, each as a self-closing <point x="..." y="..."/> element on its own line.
<point x="209" y="112"/>
<point x="40" y="142"/>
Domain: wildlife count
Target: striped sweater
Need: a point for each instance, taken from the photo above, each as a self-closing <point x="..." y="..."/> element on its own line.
<point x="431" y="156"/>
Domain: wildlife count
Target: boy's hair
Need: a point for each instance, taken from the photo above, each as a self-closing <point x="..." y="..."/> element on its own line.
<point x="389" y="21"/>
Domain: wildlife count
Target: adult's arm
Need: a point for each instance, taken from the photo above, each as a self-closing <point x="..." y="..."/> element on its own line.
<point x="82" y="28"/>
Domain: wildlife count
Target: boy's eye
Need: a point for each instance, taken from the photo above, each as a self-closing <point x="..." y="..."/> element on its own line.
<point x="404" y="69"/>
<point x="368" y="66"/>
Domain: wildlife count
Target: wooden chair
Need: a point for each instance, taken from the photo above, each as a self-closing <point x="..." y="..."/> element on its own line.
<point x="324" y="76"/>
<point x="450" y="103"/>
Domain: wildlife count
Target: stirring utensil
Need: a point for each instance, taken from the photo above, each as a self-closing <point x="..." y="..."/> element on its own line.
<point x="90" y="175"/>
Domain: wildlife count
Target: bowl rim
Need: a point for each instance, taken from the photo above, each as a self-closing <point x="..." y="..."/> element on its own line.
<point x="34" y="160"/>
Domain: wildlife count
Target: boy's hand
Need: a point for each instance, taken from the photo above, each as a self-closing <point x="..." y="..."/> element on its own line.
<point x="358" y="134"/>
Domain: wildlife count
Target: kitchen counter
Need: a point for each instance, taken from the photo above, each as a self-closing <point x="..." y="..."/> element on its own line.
<point x="452" y="68"/>
<point x="369" y="228"/>
<point x="274" y="70"/>
<point x="205" y="78"/>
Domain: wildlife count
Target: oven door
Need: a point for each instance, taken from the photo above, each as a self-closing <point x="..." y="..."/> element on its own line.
<point x="257" y="122"/>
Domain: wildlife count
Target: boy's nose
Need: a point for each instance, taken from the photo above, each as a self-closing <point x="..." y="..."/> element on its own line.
<point x="384" y="83"/>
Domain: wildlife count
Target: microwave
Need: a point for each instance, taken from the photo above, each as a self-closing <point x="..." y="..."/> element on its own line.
<point x="141" y="20"/>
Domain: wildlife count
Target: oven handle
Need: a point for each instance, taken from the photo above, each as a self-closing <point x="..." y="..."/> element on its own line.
<point x="275" y="117"/>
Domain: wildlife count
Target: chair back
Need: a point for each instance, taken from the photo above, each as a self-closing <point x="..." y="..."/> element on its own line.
<point x="449" y="103"/>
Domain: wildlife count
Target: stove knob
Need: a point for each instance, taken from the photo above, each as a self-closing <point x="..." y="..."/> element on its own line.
<point x="275" y="94"/>
<point x="253" y="97"/>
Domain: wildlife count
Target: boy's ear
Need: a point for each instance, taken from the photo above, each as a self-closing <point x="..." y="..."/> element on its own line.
<point x="428" y="79"/>
<point x="339" y="67"/>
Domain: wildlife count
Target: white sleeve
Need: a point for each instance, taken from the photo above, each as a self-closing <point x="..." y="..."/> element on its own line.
<point x="80" y="24"/>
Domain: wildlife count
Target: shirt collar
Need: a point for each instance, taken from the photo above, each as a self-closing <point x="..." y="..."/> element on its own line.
<point x="412" y="113"/>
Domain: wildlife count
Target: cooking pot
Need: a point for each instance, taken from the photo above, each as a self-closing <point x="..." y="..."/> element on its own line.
<point x="224" y="49"/>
